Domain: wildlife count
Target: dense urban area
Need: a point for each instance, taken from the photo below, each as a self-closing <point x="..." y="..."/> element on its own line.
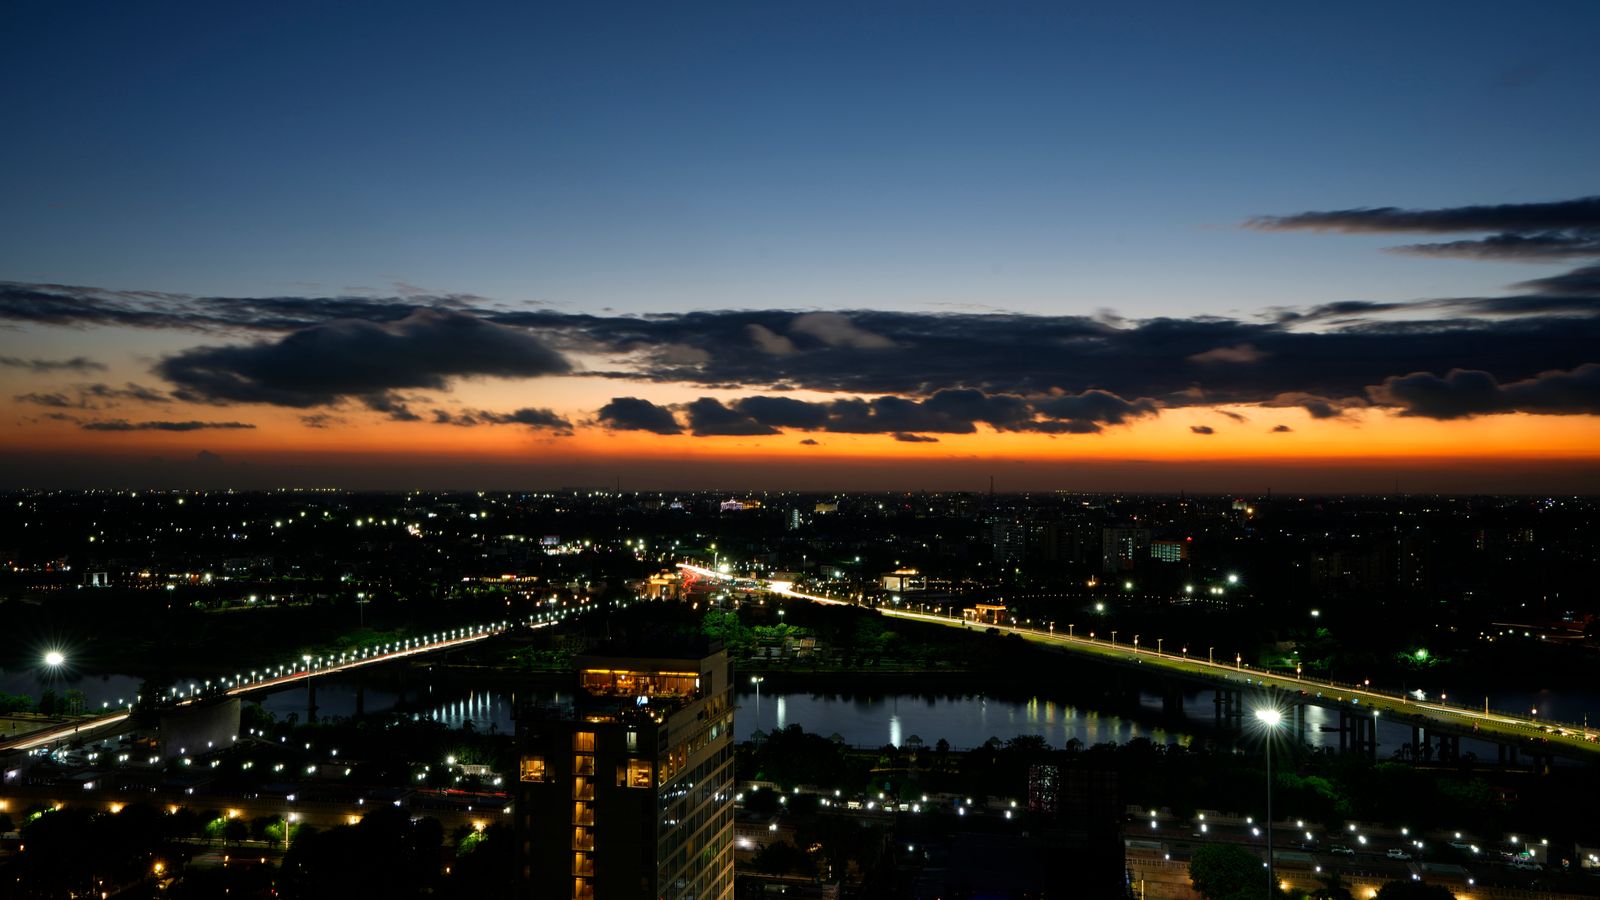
<point x="323" y="693"/>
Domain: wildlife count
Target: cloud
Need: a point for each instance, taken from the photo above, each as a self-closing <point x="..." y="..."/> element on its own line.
<point x="125" y="425"/>
<point x="1095" y="408"/>
<point x="1530" y="247"/>
<point x="634" y="414"/>
<point x="1583" y="282"/>
<point x="95" y="396"/>
<point x="1318" y="354"/>
<point x="321" y="420"/>
<point x="75" y="364"/>
<point x="769" y="341"/>
<point x="1464" y="393"/>
<point x="78" y="306"/>
<point x="1318" y="407"/>
<point x="1532" y="231"/>
<point x="955" y="411"/>
<point x="707" y="416"/>
<point x="1280" y="429"/>
<point x="1237" y="417"/>
<point x="55" y="400"/>
<point x="392" y="405"/>
<point x="1562" y="214"/>
<point x="809" y="442"/>
<point x="1202" y="429"/>
<point x="914" y="438"/>
<point x="837" y="330"/>
<point x="529" y="416"/>
<point x="1243" y="353"/>
<point x="783" y="412"/>
<point x="325" y="363"/>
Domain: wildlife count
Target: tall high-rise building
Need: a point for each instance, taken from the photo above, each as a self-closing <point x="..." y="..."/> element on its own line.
<point x="627" y="791"/>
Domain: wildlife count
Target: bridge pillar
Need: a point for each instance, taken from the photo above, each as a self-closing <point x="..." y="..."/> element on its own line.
<point x="1230" y="709"/>
<point x="1358" y="733"/>
<point x="1300" y="722"/>
<point x="1172" y="700"/>
<point x="1449" y="748"/>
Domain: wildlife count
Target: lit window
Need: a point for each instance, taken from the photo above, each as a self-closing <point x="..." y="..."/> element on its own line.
<point x="533" y="768"/>
<point x="635" y="773"/>
<point x="583" y="741"/>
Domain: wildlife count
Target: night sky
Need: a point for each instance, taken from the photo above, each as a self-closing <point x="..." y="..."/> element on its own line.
<point x="766" y="245"/>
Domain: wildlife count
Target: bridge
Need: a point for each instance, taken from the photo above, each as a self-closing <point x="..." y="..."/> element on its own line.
<point x="293" y="672"/>
<point x="1360" y="707"/>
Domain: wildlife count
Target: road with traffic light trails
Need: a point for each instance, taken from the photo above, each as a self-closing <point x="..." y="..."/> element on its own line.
<point x="1408" y="711"/>
<point x="291" y="673"/>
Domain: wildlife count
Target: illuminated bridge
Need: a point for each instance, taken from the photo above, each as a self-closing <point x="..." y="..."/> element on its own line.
<point x="1434" y="724"/>
<point x="293" y="672"/>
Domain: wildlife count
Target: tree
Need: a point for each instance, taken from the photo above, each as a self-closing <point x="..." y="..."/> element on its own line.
<point x="1332" y="888"/>
<point x="1414" y="890"/>
<point x="781" y="858"/>
<point x="1227" y="872"/>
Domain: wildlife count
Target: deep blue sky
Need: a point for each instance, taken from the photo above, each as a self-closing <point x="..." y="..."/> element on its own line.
<point x="668" y="156"/>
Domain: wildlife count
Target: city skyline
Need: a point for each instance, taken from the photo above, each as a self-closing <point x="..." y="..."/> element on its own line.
<point x="745" y="249"/>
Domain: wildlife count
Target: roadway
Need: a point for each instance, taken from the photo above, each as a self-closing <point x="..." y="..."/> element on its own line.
<point x="1486" y="724"/>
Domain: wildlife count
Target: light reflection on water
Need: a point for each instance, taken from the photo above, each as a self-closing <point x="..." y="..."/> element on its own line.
<point x="964" y="721"/>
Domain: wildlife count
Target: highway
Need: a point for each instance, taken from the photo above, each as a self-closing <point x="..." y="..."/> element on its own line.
<point x="1404" y="709"/>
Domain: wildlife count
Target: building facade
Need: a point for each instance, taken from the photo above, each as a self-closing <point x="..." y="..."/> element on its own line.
<point x="627" y="792"/>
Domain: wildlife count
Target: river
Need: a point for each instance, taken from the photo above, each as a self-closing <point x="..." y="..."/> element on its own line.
<point x="865" y="718"/>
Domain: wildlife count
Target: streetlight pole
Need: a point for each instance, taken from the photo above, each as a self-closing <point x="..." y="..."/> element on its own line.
<point x="1209" y="660"/>
<point x="1270" y="718"/>
<point x="756" y="680"/>
<point x="1113" y="638"/>
<point x="1158" y="645"/>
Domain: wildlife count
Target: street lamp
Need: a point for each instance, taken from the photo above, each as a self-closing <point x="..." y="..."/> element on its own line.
<point x="1113" y="637"/>
<point x="756" y="680"/>
<point x="54" y="659"/>
<point x="1269" y="718"/>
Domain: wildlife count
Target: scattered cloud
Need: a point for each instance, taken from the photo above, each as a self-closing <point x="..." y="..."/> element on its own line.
<point x="1532" y="231"/>
<point x="1280" y="429"/>
<point x="809" y="442"/>
<point x="125" y="425"/>
<point x="837" y="330"/>
<point x="769" y="341"/>
<point x="903" y="437"/>
<point x="529" y="416"/>
<point x="1318" y="407"/>
<point x="94" y="396"/>
<point x="321" y="420"/>
<point x="75" y="364"/>
<point x="707" y="416"/>
<point x="1464" y="393"/>
<point x="634" y="414"/>
<point x="1243" y="353"/>
<point x="1202" y="429"/>
<point x="325" y="363"/>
